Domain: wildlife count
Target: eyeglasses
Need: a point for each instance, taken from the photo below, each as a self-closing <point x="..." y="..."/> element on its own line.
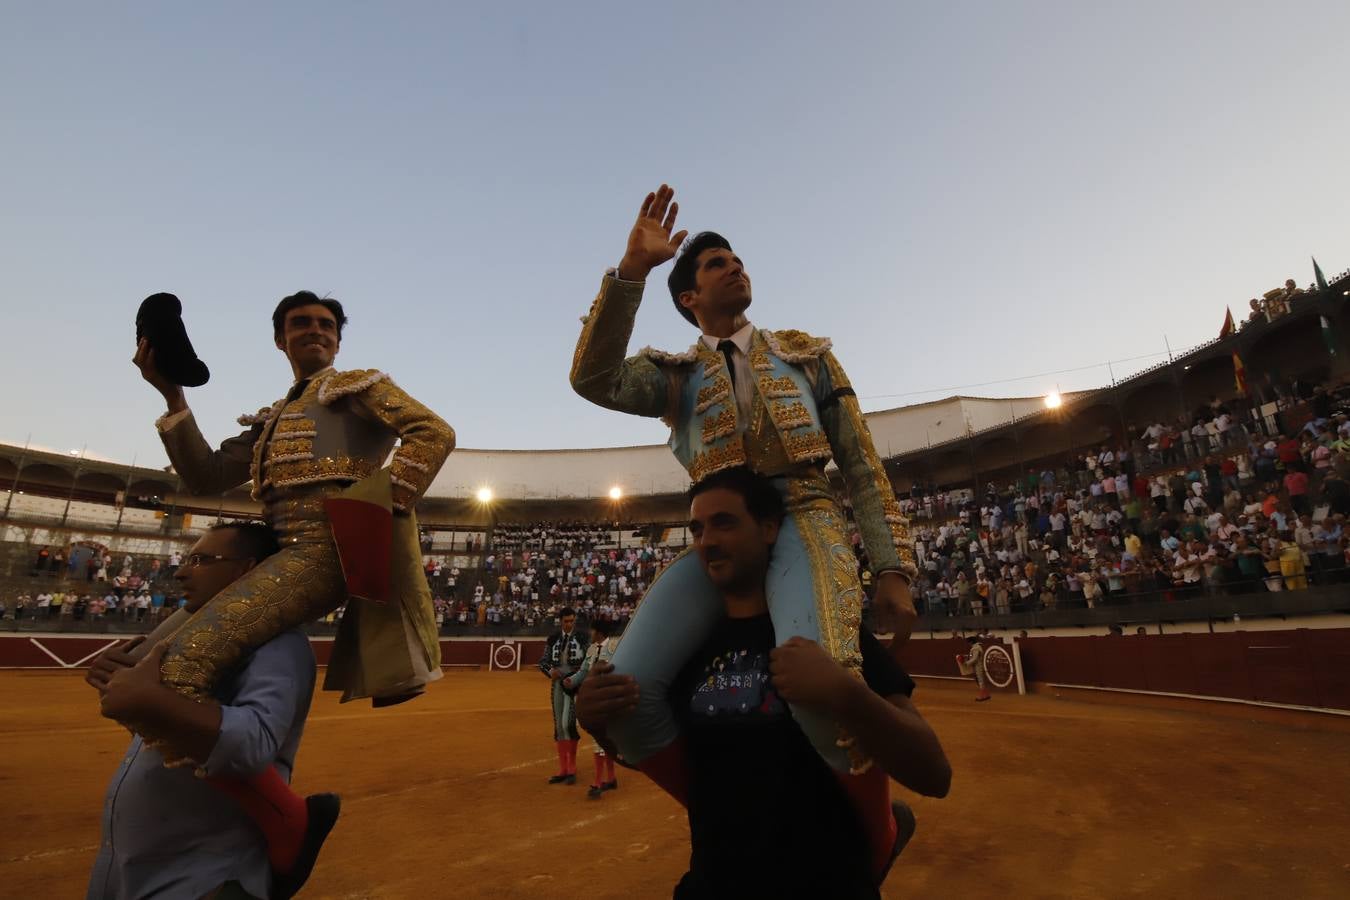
<point x="197" y="559"/>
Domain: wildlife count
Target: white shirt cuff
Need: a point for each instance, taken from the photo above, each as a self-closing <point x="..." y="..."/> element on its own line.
<point x="166" y="422"/>
<point x="613" y="272"/>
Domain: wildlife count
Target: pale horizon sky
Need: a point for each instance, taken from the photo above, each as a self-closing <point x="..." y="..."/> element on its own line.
<point x="958" y="194"/>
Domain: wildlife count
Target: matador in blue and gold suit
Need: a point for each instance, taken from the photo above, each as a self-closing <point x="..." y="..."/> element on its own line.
<point x="788" y="411"/>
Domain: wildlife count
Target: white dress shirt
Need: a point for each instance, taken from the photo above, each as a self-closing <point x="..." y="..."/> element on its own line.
<point x="740" y="360"/>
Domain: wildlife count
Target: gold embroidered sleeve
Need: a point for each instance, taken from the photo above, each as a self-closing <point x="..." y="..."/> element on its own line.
<point x="601" y="373"/>
<point x="203" y="470"/>
<point x="884" y="529"/>
<point x="424" y="439"/>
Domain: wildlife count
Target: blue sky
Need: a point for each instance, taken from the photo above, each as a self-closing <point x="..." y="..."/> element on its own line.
<point x="956" y="193"/>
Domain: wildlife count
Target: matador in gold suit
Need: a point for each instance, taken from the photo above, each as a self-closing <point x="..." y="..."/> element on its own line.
<point x="344" y="522"/>
<point x="779" y="404"/>
<point x="331" y="430"/>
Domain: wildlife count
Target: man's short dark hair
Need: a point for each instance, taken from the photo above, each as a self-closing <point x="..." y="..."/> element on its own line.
<point x="305" y="298"/>
<point x="686" y="265"/>
<point x="761" y="498"/>
<point x="566" y="611"/>
<point x="255" y="540"/>
<point x="602" y="627"/>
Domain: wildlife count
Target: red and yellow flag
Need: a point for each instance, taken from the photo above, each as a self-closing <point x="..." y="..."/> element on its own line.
<point x="1239" y="374"/>
<point x="1228" y="325"/>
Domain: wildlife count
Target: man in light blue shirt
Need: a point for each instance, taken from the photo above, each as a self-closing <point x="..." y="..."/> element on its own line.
<point x="167" y="832"/>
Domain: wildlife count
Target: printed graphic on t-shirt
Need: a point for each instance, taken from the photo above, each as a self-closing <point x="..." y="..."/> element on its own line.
<point x="736" y="683"/>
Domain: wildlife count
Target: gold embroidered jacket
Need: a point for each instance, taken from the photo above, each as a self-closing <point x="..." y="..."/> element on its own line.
<point x="340" y="427"/>
<point x="689" y="393"/>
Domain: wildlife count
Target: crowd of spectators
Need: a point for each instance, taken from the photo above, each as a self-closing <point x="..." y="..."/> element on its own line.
<point x="1219" y="502"/>
<point x="81" y="590"/>
<point x="1208" y="505"/>
<point x="529" y="573"/>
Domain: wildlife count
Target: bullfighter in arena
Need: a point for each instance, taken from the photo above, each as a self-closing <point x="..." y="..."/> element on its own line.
<point x="563" y="656"/>
<point x="972" y="664"/>
<point x="600" y="651"/>
<point x="777" y="402"/>
<point x="344" y="523"/>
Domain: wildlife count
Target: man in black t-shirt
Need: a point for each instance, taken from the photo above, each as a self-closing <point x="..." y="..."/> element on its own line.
<point x="767" y="816"/>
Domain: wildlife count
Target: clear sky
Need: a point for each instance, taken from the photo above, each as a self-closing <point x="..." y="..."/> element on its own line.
<point x="957" y="193"/>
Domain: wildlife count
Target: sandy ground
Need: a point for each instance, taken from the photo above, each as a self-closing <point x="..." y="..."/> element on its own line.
<point x="445" y="797"/>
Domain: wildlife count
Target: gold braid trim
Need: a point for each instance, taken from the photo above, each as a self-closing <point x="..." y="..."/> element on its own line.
<point x="261" y="415"/>
<point x="794" y="346"/>
<point x="715" y="460"/>
<point x="294" y="425"/>
<point x="343" y="384"/>
<point x="897" y="525"/>
<point x="309" y="471"/>
<point x="281" y="447"/>
<point x="670" y="359"/>
<point x="712" y="367"/>
<point x="774" y="388"/>
<point x="788" y="416"/>
<point x="719" y="426"/>
<point x="716" y="392"/>
<point x="803" y="447"/>
<point x="288" y="457"/>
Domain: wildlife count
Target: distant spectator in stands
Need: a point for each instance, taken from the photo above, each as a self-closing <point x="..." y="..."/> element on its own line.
<point x="1296" y="483"/>
<point x="40" y="564"/>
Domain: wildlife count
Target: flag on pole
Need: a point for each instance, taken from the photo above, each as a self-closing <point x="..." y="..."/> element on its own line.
<point x="1239" y="374"/>
<point x="1228" y="326"/>
<point x="1321" y="279"/>
<point x="1328" y="336"/>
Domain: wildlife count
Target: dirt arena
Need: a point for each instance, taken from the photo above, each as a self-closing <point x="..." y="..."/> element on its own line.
<point x="445" y="797"/>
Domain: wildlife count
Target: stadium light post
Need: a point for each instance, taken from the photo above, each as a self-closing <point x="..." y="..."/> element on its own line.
<point x="484" y="497"/>
<point x="1054" y="401"/>
<point x="126" y="495"/>
<point x="615" y="498"/>
<point x="70" y="496"/>
<point x="14" y="486"/>
<point x="1017" y="439"/>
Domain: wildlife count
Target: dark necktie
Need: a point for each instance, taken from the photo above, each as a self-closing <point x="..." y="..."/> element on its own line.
<point x="728" y="347"/>
<point x="297" y="389"/>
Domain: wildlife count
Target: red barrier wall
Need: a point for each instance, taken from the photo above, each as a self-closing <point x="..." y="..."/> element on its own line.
<point x="22" y="651"/>
<point x="1299" y="667"/>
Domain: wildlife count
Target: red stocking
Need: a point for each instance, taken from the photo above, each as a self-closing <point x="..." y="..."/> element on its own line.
<point x="599" y="770"/>
<point x="870" y="794"/>
<point x="670" y="770"/>
<point x="277" y="810"/>
<point x="562" y="756"/>
<point x="572" y="757"/>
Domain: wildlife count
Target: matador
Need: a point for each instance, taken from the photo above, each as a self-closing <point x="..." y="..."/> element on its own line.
<point x="779" y="403"/>
<point x="344" y="519"/>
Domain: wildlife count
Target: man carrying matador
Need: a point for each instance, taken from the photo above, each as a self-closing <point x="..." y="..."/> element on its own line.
<point x="779" y="403"/>
<point x="344" y="522"/>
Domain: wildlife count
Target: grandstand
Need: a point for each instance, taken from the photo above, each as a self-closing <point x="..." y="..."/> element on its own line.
<point x="952" y="463"/>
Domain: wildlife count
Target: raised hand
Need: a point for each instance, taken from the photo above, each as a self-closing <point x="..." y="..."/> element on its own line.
<point x="145" y="361"/>
<point x="651" y="243"/>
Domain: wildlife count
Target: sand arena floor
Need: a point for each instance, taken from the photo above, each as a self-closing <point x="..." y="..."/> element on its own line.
<point x="445" y="797"/>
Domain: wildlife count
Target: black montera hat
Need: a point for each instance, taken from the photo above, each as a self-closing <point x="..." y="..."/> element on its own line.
<point x="160" y="320"/>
